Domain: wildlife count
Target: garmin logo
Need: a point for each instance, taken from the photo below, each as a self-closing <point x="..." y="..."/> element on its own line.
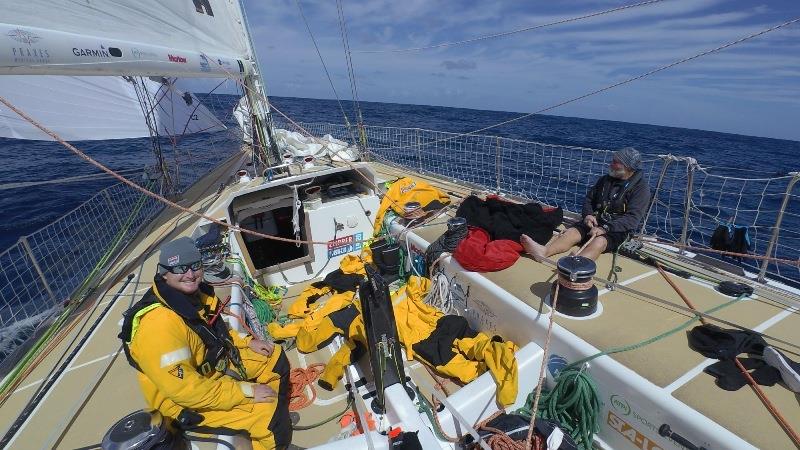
<point x="176" y="59"/>
<point x="102" y="52"/>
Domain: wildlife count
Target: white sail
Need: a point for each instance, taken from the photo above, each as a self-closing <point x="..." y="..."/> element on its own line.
<point x="241" y="112"/>
<point x="95" y="108"/>
<point x="145" y="37"/>
<point x="299" y="146"/>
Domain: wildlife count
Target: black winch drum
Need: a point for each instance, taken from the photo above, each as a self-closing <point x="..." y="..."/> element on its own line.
<point x="143" y="430"/>
<point x="574" y="300"/>
<point x="455" y="222"/>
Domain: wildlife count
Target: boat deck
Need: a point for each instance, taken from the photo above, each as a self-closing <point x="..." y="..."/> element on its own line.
<point x="630" y="317"/>
<point x="99" y="387"/>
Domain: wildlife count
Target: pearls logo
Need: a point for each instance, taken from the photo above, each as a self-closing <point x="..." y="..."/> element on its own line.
<point x="25" y="37"/>
<point x="177" y="59"/>
<point x="28" y="55"/>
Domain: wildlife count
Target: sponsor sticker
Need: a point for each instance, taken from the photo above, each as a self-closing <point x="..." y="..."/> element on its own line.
<point x="204" y="66"/>
<point x="344" y="245"/>
<point x="24" y="36"/>
<point x="177" y="371"/>
<point x="28" y="54"/>
<point x="638" y="439"/>
<point x="142" y="54"/>
<point x="176" y="58"/>
<point x="102" y="52"/>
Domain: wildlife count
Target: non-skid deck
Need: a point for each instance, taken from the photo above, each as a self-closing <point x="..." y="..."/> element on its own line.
<point x="631" y="316"/>
<point x="99" y="386"/>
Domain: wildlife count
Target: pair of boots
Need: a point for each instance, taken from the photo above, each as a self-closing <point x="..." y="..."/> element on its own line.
<point x="767" y="367"/>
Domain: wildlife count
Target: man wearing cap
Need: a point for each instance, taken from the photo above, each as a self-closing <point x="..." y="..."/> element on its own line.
<point x="193" y="368"/>
<point x="613" y="209"/>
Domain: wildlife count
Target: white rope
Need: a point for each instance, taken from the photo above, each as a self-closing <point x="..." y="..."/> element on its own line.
<point x="439" y="296"/>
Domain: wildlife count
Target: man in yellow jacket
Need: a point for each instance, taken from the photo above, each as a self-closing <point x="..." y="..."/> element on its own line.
<point x="196" y="370"/>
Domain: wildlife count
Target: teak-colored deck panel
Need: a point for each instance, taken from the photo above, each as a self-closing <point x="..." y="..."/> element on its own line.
<point x="629" y="318"/>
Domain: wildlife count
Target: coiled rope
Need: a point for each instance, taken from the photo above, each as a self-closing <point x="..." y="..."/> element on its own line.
<point x="299" y="379"/>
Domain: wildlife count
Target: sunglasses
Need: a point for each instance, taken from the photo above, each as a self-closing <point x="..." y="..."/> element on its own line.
<point x="183" y="268"/>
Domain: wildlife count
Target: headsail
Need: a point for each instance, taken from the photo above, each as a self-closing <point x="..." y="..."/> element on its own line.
<point x="203" y="38"/>
<point x="109" y="108"/>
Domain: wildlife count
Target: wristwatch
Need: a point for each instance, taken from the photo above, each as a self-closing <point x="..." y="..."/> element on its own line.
<point x="605" y="227"/>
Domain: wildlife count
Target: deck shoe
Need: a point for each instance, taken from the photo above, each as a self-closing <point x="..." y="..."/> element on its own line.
<point x="718" y="343"/>
<point x="790" y="370"/>
<point x="730" y="378"/>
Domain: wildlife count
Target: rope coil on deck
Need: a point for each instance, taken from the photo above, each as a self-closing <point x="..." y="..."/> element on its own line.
<point x="299" y="379"/>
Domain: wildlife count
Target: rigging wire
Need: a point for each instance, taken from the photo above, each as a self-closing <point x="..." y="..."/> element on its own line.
<point x="142" y="95"/>
<point x="351" y="74"/>
<point x="324" y="66"/>
<point x="508" y="33"/>
<point x="606" y="88"/>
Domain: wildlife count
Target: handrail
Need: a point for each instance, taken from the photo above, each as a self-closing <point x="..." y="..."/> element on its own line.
<point x="46" y="268"/>
<point x="689" y="199"/>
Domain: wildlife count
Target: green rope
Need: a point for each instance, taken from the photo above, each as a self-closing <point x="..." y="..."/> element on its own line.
<point x="266" y="300"/>
<point x="574" y="403"/>
<point x="648" y="341"/>
<point x="264" y="311"/>
<point x="326" y="420"/>
<point x="426" y="407"/>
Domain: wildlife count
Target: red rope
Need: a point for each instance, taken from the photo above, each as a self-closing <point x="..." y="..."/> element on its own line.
<point x="299" y="378"/>
<point x="759" y="393"/>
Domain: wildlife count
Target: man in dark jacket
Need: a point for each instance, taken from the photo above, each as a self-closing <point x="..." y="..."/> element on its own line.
<point x="613" y="209"/>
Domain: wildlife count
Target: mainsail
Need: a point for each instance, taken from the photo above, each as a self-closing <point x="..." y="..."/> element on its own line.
<point x="110" y="108"/>
<point x="201" y="38"/>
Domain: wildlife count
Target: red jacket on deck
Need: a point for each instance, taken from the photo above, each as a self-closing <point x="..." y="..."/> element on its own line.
<point x="478" y="253"/>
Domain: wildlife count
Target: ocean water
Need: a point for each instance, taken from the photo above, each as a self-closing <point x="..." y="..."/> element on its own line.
<point x="27" y="209"/>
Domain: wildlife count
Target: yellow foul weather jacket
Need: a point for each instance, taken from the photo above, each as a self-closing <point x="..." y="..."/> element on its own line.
<point x="170" y="356"/>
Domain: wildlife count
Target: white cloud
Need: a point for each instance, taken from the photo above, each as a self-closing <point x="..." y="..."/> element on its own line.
<point x="554" y="63"/>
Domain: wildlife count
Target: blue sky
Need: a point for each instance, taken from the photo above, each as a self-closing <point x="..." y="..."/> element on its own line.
<point x="752" y="88"/>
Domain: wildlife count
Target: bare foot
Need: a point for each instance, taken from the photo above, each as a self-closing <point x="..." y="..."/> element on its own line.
<point x="533" y="248"/>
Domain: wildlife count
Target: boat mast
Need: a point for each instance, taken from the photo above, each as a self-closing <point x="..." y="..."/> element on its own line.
<point x="264" y="147"/>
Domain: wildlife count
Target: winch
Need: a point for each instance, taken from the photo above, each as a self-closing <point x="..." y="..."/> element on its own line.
<point x="143" y="430"/>
<point x="577" y="295"/>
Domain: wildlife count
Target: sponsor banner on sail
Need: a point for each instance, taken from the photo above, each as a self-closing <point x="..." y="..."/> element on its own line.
<point x="32" y="51"/>
<point x="213" y="26"/>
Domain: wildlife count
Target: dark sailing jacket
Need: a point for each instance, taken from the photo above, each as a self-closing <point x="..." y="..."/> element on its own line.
<point x="620" y="204"/>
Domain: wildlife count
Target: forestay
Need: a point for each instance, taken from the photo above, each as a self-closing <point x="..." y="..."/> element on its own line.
<point x="147" y="37"/>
